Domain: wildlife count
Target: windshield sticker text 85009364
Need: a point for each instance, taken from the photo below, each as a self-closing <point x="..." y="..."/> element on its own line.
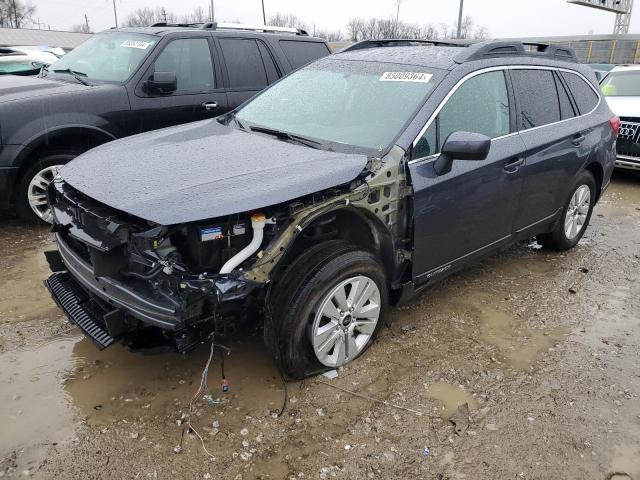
<point x="136" y="44"/>
<point x="406" y="77"/>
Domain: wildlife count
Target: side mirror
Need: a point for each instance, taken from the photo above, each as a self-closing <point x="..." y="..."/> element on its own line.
<point x="162" y="82"/>
<point x="462" y="146"/>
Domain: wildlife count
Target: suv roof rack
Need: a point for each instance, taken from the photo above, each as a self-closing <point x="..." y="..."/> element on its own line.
<point x="399" y="42"/>
<point x="235" y="26"/>
<point x="496" y="49"/>
<point x="479" y="51"/>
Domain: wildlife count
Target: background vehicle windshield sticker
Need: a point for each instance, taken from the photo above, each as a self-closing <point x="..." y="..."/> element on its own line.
<point x="136" y="44"/>
<point x="406" y="77"/>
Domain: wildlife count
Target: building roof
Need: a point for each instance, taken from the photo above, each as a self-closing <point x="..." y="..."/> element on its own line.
<point x="36" y="37"/>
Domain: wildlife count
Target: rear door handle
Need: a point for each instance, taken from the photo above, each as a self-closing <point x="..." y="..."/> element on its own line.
<point x="210" y="105"/>
<point x="578" y="139"/>
<point x="512" y="166"/>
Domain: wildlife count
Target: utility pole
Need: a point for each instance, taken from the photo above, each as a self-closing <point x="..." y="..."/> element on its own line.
<point x="460" y="19"/>
<point x="115" y="14"/>
<point x="213" y="15"/>
<point x="86" y="21"/>
<point x="15" y="15"/>
<point x="264" y="16"/>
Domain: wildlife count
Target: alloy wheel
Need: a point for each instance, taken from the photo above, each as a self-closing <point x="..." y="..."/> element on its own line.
<point x="37" y="192"/>
<point x="577" y="212"/>
<point x="346" y="320"/>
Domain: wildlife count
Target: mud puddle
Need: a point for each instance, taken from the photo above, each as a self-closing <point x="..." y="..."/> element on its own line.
<point x="450" y="397"/>
<point x="36" y="410"/>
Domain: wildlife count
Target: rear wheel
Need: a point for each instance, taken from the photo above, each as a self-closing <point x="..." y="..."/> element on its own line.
<point x="327" y="308"/>
<point x="31" y="195"/>
<point x="575" y="216"/>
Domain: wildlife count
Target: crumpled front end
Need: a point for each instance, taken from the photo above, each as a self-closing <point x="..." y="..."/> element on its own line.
<point x="121" y="278"/>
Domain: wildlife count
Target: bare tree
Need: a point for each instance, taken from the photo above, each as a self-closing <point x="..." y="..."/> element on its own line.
<point x="16" y="13"/>
<point x="197" y="16"/>
<point x="81" y="28"/>
<point x="143" y="17"/>
<point x="330" y="36"/>
<point x="286" y="20"/>
<point x="356" y="29"/>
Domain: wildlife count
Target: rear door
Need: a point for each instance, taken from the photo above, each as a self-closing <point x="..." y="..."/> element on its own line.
<point x="556" y="146"/>
<point x="199" y="95"/>
<point x="249" y="67"/>
<point x="471" y="209"/>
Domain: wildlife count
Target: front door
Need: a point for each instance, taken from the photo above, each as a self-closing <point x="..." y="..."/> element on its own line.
<point x="200" y="92"/>
<point x="471" y="209"/>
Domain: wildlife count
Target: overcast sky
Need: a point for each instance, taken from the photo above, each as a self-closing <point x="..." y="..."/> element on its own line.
<point x="503" y="18"/>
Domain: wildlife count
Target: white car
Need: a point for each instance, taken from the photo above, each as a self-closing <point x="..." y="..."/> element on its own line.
<point x="27" y="60"/>
<point x="621" y="88"/>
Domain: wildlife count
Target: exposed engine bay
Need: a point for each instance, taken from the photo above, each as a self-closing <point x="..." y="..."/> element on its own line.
<point x="152" y="286"/>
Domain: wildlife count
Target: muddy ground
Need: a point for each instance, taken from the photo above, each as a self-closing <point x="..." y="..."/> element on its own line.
<point x="543" y="348"/>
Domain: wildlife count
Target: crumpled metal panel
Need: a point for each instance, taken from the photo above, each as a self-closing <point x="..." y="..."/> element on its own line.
<point x="203" y="170"/>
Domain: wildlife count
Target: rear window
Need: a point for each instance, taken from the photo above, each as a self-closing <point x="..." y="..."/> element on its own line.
<point x="301" y="53"/>
<point x="583" y="94"/>
<point x="539" y="104"/>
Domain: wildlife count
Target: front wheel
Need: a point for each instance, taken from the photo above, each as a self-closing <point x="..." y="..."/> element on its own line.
<point x="327" y="308"/>
<point x="31" y="194"/>
<point x="575" y="216"/>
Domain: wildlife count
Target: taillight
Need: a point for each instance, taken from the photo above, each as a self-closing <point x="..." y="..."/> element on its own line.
<point x="615" y="125"/>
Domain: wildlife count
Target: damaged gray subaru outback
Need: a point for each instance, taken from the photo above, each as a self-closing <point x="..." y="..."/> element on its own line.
<point x="346" y="187"/>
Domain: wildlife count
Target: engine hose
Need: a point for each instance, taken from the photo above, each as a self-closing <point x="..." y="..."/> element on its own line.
<point x="152" y="273"/>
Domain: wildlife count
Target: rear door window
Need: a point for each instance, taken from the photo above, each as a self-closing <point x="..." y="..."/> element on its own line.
<point x="245" y="67"/>
<point x="301" y="53"/>
<point x="538" y="97"/>
<point x="480" y="105"/>
<point x="583" y="94"/>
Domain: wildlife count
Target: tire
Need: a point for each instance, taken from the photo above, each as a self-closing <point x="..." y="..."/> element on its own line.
<point x="46" y="168"/>
<point x="300" y="299"/>
<point x="563" y="237"/>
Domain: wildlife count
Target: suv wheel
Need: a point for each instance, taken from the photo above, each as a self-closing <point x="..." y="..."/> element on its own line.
<point x="327" y="308"/>
<point x="31" y="195"/>
<point x="575" y="217"/>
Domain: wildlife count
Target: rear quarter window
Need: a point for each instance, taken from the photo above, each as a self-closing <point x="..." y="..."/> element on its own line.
<point x="583" y="94"/>
<point x="301" y="53"/>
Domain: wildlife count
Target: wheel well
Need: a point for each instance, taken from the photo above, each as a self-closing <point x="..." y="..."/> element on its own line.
<point x="598" y="174"/>
<point x="353" y="225"/>
<point x="73" y="140"/>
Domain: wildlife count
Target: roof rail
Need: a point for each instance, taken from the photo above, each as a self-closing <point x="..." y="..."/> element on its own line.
<point x="496" y="49"/>
<point x="235" y="26"/>
<point x="399" y="42"/>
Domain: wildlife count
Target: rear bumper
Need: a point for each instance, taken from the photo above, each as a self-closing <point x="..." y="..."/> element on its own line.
<point x="628" y="162"/>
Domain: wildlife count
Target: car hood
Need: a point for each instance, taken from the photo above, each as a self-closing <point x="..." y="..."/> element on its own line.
<point x="13" y="87"/>
<point x="203" y="170"/>
<point x="624" y="106"/>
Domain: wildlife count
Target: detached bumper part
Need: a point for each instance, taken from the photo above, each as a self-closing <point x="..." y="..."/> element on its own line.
<point x="77" y="305"/>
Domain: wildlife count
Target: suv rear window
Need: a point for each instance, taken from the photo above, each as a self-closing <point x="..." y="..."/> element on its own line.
<point x="536" y="90"/>
<point x="301" y="53"/>
<point x="583" y="94"/>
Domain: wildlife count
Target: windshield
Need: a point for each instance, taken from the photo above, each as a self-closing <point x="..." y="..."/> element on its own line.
<point x="354" y="103"/>
<point x="108" y="57"/>
<point x="622" y="84"/>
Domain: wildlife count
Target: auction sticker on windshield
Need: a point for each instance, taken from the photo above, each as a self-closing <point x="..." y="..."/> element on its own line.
<point x="406" y="77"/>
<point x="136" y="44"/>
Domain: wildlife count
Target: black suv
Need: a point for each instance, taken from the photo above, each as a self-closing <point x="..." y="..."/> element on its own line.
<point x="128" y="81"/>
<point x="347" y="186"/>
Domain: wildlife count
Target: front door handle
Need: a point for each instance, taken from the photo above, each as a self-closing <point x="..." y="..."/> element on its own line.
<point x="578" y="139"/>
<point x="210" y="105"/>
<point x="512" y="166"/>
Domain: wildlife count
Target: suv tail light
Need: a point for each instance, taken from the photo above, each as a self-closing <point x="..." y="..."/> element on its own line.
<point x="615" y="125"/>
